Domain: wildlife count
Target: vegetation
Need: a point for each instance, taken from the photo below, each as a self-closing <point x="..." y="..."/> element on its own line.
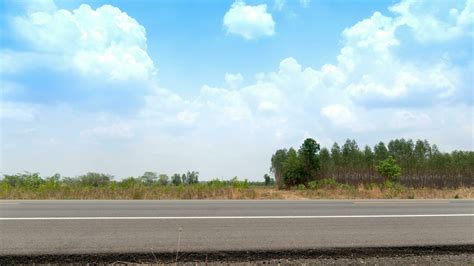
<point x="411" y="164"/>
<point x="402" y="169"/>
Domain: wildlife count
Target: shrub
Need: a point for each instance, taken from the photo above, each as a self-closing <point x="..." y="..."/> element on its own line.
<point x="239" y="184"/>
<point x="216" y="184"/>
<point x="313" y="185"/>
<point x="389" y="169"/>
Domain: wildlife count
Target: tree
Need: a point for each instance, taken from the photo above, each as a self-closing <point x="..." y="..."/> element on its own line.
<point x="277" y="167"/>
<point x="149" y="178"/>
<point x="184" y="179"/>
<point x="389" y="169"/>
<point x="336" y="157"/>
<point x="95" y="179"/>
<point x="176" y="179"/>
<point x="163" y="180"/>
<point x="294" y="169"/>
<point x="308" y="154"/>
<point x="192" y="177"/>
<point x="380" y="152"/>
<point x="325" y="162"/>
<point x="368" y="159"/>
<point x="268" y="180"/>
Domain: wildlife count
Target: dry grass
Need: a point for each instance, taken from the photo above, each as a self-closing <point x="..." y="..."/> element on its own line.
<point x="201" y="192"/>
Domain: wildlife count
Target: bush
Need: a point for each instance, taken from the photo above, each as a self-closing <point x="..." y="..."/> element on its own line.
<point x="313" y="185"/>
<point x="239" y="184"/>
<point x="95" y="179"/>
<point x="216" y="184"/>
<point x="389" y="169"/>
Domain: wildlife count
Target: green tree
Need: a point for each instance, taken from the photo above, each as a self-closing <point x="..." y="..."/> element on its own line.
<point x="389" y="169"/>
<point x="293" y="169"/>
<point x="149" y="178"/>
<point x="336" y="157"/>
<point x="326" y="162"/>
<point x="95" y="179"/>
<point x="176" y="179"/>
<point x="369" y="158"/>
<point x="268" y="180"/>
<point x="192" y="177"/>
<point x="380" y="152"/>
<point x="309" y="156"/>
<point x="277" y="165"/>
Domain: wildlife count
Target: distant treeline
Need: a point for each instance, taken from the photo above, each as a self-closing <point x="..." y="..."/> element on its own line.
<point x="421" y="164"/>
<point x="33" y="181"/>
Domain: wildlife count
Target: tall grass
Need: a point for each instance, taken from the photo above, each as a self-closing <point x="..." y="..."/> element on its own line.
<point x="327" y="189"/>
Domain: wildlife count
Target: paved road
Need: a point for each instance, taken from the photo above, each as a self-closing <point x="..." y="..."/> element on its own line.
<point x="73" y="227"/>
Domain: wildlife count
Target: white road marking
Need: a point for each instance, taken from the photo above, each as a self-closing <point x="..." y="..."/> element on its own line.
<point x="401" y="202"/>
<point x="235" y="217"/>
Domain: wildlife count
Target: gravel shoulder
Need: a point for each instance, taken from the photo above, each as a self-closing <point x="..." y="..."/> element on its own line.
<point x="425" y="255"/>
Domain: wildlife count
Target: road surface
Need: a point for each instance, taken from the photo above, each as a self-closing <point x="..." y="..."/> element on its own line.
<point x="88" y="227"/>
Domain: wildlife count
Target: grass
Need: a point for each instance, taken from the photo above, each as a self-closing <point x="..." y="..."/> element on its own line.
<point x="323" y="190"/>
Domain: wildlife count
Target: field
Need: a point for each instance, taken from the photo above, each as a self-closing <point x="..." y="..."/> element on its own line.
<point x="204" y="191"/>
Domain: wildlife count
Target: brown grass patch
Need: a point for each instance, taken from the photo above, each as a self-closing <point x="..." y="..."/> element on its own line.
<point x="268" y="193"/>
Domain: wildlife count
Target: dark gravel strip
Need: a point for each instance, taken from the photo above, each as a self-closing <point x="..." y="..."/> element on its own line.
<point x="438" y="255"/>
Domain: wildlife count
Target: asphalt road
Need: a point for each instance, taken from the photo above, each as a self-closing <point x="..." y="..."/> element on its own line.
<point x="87" y="227"/>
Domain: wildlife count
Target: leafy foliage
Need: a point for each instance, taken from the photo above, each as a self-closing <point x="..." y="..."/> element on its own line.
<point x="389" y="169"/>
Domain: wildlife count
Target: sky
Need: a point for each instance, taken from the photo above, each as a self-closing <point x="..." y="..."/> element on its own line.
<point x="124" y="87"/>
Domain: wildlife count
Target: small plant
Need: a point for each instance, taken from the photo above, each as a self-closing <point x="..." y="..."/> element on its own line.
<point x="457" y="196"/>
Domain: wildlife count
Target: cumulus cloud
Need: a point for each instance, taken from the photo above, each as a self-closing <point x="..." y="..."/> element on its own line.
<point x="436" y="22"/>
<point x="338" y="114"/>
<point x="250" y="22"/>
<point x="105" y="42"/>
<point x="370" y="92"/>
<point x="233" y="80"/>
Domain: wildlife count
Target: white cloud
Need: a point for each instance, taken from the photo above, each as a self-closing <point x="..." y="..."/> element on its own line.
<point x="441" y="21"/>
<point x="233" y="80"/>
<point x="338" y="114"/>
<point x="103" y="42"/>
<point x="250" y="22"/>
<point x="371" y="92"/>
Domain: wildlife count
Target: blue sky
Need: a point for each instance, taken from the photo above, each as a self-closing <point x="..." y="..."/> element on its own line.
<point x="216" y="86"/>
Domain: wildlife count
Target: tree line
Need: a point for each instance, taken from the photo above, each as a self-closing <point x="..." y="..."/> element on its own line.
<point x="92" y="179"/>
<point x="33" y="181"/>
<point x="421" y="164"/>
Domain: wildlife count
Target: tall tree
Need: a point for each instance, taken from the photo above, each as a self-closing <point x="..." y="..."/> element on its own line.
<point x="325" y="162"/>
<point x="293" y="173"/>
<point x="277" y="165"/>
<point x="176" y="179"/>
<point x="380" y="152"/>
<point x="309" y="156"/>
